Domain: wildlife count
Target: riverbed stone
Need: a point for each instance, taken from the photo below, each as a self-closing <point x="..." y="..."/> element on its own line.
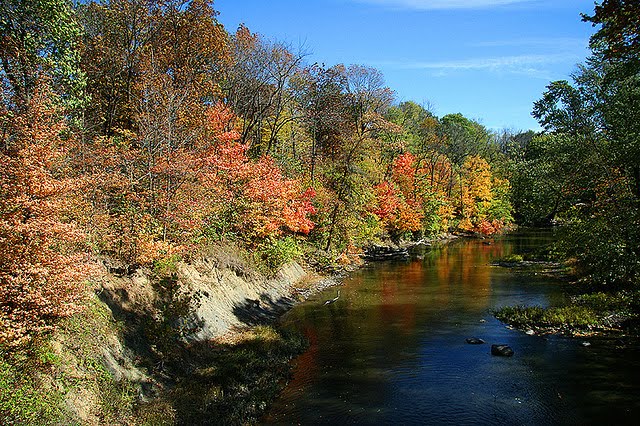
<point x="501" y="350"/>
<point x="474" y="341"/>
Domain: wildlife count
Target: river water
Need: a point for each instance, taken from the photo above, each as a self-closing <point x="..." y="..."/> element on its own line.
<point x="392" y="350"/>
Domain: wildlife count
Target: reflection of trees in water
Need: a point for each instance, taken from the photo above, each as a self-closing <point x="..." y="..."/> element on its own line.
<point x="465" y="267"/>
<point x="392" y="305"/>
<point x="395" y="309"/>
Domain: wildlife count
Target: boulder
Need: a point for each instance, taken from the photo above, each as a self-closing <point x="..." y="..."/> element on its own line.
<point x="474" y="341"/>
<point x="501" y="350"/>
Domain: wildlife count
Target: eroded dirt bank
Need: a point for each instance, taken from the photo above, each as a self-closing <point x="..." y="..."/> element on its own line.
<point x="150" y="342"/>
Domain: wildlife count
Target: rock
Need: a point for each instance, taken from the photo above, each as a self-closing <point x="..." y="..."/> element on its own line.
<point x="380" y="253"/>
<point x="501" y="350"/>
<point x="585" y="344"/>
<point x="474" y="341"/>
<point x="530" y="332"/>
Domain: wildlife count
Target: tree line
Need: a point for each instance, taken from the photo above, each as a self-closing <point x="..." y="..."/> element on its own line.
<point x="146" y="131"/>
<point x="584" y="168"/>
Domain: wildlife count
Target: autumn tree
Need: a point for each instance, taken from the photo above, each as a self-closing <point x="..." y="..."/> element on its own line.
<point x="42" y="265"/>
<point x="257" y="87"/>
<point x="319" y="99"/>
<point x="364" y="101"/>
<point x="115" y="34"/>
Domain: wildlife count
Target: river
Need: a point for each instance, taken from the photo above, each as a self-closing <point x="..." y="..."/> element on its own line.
<point x="392" y="350"/>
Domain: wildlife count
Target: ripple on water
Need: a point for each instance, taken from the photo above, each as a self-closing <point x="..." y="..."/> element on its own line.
<point x="392" y="351"/>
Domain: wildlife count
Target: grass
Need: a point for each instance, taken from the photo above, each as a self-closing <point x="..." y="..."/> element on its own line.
<point x="536" y="316"/>
<point x="22" y="400"/>
<point x="233" y="382"/>
<point x="586" y="312"/>
<point x="512" y="258"/>
<point x="36" y="381"/>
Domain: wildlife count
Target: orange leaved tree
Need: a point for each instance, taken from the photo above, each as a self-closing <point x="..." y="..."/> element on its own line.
<point x="41" y="264"/>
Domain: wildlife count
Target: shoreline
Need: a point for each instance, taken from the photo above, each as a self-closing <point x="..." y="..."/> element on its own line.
<point x="586" y="314"/>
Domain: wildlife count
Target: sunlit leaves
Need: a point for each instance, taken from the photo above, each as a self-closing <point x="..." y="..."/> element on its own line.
<point x="41" y="260"/>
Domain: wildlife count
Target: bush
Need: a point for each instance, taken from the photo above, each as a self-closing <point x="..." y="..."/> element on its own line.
<point x="276" y="253"/>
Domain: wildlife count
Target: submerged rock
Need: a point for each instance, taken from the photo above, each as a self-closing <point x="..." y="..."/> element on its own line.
<point x="501" y="350"/>
<point x="474" y="341"/>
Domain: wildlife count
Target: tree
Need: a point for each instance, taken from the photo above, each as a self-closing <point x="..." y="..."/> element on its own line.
<point x="618" y="34"/>
<point x="594" y="123"/>
<point x="257" y="87"/>
<point x="115" y="34"/>
<point x="39" y="41"/>
<point x="42" y="264"/>
<point x="464" y="138"/>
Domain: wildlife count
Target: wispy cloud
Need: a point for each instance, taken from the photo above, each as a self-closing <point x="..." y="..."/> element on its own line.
<point x="557" y="43"/>
<point x="446" y="4"/>
<point x="530" y="65"/>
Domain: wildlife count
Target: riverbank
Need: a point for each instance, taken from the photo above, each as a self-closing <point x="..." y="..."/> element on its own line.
<point x="586" y="313"/>
<point x="173" y="345"/>
<point x="170" y="345"/>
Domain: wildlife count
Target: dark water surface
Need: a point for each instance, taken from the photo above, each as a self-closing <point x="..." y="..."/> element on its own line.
<point x="392" y="350"/>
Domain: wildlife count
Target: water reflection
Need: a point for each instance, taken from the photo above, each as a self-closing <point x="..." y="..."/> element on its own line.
<point x="392" y="350"/>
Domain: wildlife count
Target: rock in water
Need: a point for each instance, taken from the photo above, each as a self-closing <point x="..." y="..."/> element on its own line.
<point x="474" y="341"/>
<point x="501" y="350"/>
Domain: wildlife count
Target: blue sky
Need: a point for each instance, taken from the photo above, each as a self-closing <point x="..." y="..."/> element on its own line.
<point x="488" y="59"/>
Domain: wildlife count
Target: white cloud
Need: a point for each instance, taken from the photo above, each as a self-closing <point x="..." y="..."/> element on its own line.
<point x="567" y="43"/>
<point x="446" y="4"/>
<point x="490" y="63"/>
<point x="531" y="65"/>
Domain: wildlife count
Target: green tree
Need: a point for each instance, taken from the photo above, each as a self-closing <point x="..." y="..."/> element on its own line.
<point x="39" y="39"/>
<point x="593" y="148"/>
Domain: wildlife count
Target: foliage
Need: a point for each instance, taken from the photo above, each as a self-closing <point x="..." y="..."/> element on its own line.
<point x="619" y="20"/>
<point x="484" y="199"/>
<point x="590" y="158"/>
<point x="278" y="252"/>
<point x="40" y="40"/>
<point x="42" y="266"/>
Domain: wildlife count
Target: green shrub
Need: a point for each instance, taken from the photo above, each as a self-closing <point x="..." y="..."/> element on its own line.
<point x="275" y="253"/>
<point x="512" y="258"/>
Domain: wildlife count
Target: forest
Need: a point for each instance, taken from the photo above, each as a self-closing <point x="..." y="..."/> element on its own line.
<point x="145" y="131"/>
